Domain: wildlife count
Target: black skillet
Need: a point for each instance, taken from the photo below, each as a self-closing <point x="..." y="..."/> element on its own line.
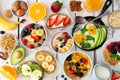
<point x="99" y="20"/>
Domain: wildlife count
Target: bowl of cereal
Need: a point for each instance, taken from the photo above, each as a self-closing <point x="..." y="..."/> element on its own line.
<point x="8" y="41"/>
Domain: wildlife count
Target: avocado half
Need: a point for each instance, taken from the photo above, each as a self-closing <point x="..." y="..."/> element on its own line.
<point x="18" y="55"/>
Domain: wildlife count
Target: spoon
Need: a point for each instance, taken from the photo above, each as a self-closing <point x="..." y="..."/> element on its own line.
<point x="82" y="20"/>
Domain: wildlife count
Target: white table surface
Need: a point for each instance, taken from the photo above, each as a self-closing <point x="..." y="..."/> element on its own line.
<point x="94" y="55"/>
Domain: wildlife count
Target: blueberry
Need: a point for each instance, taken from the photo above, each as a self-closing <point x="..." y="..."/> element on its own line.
<point x="78" y="69"/>
<point x="80" y="74"/>
<point x="62" y="76"/>
<point x="69" y="58"/>
<point x="65" y="78"/>
<point x="23" y="34"/>
<point x="2" y="32"/>
<point x="39" y="45"/>
<point x="41" y="27"/>
<point x="29" y="32"/>
<point x="63" y="44"/>
<point x="70" y="63"/>
<point x="80" y="60"/>
<point x="77" y="64"/>
<point x="37" y="28"/>
<point x="26" y="30"/>
<point x="56" y="49"/>
<point x="113" y="51"/>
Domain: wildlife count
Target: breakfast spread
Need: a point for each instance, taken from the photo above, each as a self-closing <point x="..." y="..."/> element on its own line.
<point x="58" y="21"/>
<point x="90" y="36"/>
<point x="62" y="42"/>
<point x="53" y="26"/>
<point x="8" y="42"/>
<point x="114" y="20"/>
<point x="31" y="69"/>
<point x="18" y="54"/>
<point x="111" y="53"/>
<point x="77" y="65"/>
<point x="33" y="36"/>
<point x="46" y="60"/>
<point x="19" y="8"/>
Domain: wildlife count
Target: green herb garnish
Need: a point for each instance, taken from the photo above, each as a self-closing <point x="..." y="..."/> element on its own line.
<point x="83" y="30"/>
<point x="88" y="37"/>
<point x="85" y="45"/>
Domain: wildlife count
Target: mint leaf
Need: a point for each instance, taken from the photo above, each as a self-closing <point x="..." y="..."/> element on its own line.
<point x="118" y="57"/>
<point x="83" y="30"/>
<point x="59" y="38"/>
<point x="85" y="45"/>
<point x="63" y="35"/>
<point x="58" y="3"/>
<point x="88" y="37"/>
<point x="112" y="56"/>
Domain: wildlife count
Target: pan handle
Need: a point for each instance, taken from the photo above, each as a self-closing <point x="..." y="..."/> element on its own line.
<point x="106" y="6"/>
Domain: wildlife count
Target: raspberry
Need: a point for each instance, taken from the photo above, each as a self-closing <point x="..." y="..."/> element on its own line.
<point x="72" y="72"/>
<point x="109" y="47"/>
<point x="112" y="43"/>
<point x="116" y="48"/>
<point x="65" y="39"/>
<point x="30" y="46"/>
<point x="84" y="60"/>
<point x="119" y="42"/>
<point x="29" y="26"/>
<point x="24" y="41"/>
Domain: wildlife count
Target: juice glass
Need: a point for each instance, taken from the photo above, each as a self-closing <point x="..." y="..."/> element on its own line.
<point x="93" y="5"/>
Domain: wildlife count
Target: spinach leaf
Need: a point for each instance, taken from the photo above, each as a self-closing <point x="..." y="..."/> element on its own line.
<point x="83" y="30"/>
<point x="88" y="37"/>
<point x="85" y="45"/>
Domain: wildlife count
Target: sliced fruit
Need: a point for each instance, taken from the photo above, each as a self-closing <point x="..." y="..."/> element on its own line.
<point x="40" y="32"/>
<point x="34" y="32"/>
<point x="40" y="57"/>
<point x="36" y="74"/>
<point x="45" y="64"/>
<point x="36" y="38"/>
<point x="51" y="21"/>
<point x="48" y="58"/>
<point x="56" y="6"/>
<point x="26" y="70"/>
<point x="51" y="67"/>
<point x="8" y="72"/>
<point x="60" y="18"/>
<point x="67" y="21"/>
<point x="30" y="46"/>
<point x="66" y="48"/>
<point x="24" y="41"/>
<point x="115" y="75"/>
<point x="18" y="55"/>
<point x="37" y="11"/>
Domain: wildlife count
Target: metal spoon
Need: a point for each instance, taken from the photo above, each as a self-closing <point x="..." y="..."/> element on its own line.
<point x="82" y="20"/>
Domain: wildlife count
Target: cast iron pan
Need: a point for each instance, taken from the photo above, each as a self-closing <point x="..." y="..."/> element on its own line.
<point x="99" y="21"/>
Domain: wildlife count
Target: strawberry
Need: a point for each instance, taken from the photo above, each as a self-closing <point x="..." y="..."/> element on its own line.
<point x="72" y="72"/>
<point x="30" y="46"/>
<point x="36" y="38"/>
<point x="84" y="60"/>
<point x="51" y="22"/>
<point x="56" y="6"/>
<point x="65" y="33"/>
<point x="65" y="39"/>
<point x="24" y="41"/>
<point x="60" y="18"/>
<point x="67" y="21"/>
<point x="29" y="26"/>
<point x="115" y="75"/>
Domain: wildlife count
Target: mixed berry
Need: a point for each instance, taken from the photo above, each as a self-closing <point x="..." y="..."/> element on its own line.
<point x="33" y="36"/>
<point x="114" y="48"/>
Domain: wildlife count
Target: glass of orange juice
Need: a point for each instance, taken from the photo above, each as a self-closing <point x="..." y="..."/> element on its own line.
<point x="93" y="5"/>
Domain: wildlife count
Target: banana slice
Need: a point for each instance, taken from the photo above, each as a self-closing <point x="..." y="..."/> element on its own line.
<point x="61" y="50"/>
<point x="40" y="32"/>
<point x="34" y="32"/>
<point x="26" y="70"/>
<point x="36" y="74"/>
<point x="45" y="64"/>
<point x="68" y="45"/>
<point x="40" y="57"/>
<point x="51" y="67"/>
<point x="69" y="41"/>
<point x="66" y="48"/>
<point x="48" y="58"/>
<point x="58" y="44"/>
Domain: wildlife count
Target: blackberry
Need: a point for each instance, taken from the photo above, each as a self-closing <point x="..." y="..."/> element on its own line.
<point x="56" y="49"/>
<point x="63" y="44"/>
<point x="113" y="51"/>
<point x="115" y="44"/>
<point x="23" y="34"/>
<point x="80" y="74"/>
<point x="70" y="63"/>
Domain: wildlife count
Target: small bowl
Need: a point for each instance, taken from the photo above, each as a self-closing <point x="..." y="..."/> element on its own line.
<point x="15" y="38"/>
<point x="80" y="56"/>
<point x="94" y="75"/>
<point x="27" y="31"/>
<point x="25" y="10"/>
<point x="61" y="45"/>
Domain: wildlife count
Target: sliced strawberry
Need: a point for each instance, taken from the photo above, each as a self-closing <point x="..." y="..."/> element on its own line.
<point x="36" y="38"/>
<point x="60" y="18"/>
<point x="51" y="22"/>
<point x="115" y="75"/>
<point x="67" y="21"/>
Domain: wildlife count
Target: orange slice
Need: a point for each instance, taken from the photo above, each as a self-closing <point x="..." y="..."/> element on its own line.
<point x="8" y="72"/>
<point x="37" y="11"/>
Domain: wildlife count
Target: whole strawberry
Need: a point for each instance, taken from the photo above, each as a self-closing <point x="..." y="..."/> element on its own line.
<point x="56" y="6"/>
